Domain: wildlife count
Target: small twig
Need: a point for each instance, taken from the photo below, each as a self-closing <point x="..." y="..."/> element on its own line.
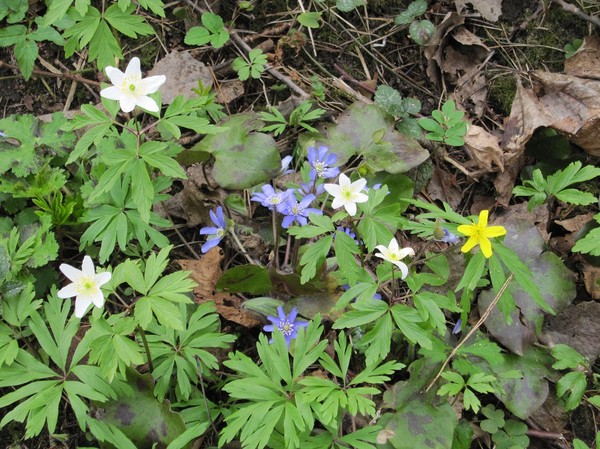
<point x="273" y="72"/>
<point x="38" y="72"/>
<point x="472" y="331"/>
<point x="347" y="76"/>
<point x="577" y="12"/>
<point x="542" y="434"/>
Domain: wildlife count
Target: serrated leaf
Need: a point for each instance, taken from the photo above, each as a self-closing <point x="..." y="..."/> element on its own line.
<point x="26" y="52"/>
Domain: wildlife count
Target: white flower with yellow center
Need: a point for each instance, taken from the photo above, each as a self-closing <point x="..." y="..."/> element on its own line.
<point x="392" y="253"/>
<point x="346" y="194"/>
<point x="130" y="89"/>
<point x="85" y="285"/>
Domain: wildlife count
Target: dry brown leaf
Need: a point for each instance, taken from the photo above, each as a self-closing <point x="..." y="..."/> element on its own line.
<point x="569" y="104"/>
<point x="484" y="148"/>
<point x="591" y="276"/>
<point x="576" y="223"/>
<point x="585" y="63"/>
<point x="489" y="9"/>
<point x="183" y="72"/>
<point x="443" y="186"/>
<point x="457" y="54"/>
<point x="206" y="272"/>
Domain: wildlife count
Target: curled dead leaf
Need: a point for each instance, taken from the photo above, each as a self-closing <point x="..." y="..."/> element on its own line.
<point x="206" y="272"/>
<point x="484" y="148"/>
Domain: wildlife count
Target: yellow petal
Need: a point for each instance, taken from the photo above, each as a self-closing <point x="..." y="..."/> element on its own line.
<point x="483" y="218"/>
<point x="467" y="229"/>
<point x="486" y="248"/>
<point x="494" y="231"/>
<point x="469" y="245"/>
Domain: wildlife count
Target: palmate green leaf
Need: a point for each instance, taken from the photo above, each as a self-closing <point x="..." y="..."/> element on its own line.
<point x="55" y="341"/>
<point x="127" y="23"/>
<point x="80" y="35"/>
<point x="307" y="348"/>
<point x="153" y="154"/>
<point x="574" y="196"/>
<point x="103" y="47"/>
<point x="567" y="357"/>
<point x="571" y="388"/>
<point x="142" y="189"/>
<point x="346" y="251"/>
<point x="56" y="11"/>
<point x="314" y="257"/>
<point x="364" y="312"/>
<point x="376" y="343"/>
<point x="408" y="320"/>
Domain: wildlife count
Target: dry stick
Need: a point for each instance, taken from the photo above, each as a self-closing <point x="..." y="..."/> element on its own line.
<point x="576" y="11"/>
<point x="68" y="76"/>
<point x="273" y="72"/>
<point x="472" y="331"/>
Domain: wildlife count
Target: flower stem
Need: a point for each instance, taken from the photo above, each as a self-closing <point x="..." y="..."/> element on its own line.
<point x="275" y="238"/>
<point x="146" y="348"/>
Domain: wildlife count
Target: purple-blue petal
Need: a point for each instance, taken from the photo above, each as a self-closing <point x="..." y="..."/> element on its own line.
<point x="293" y="315"/>
<point x="210" y="230"/>
<point x="209" y="245"/>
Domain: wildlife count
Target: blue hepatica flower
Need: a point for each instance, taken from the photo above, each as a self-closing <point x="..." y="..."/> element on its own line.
<point x="286" y="324"/>
<point x="298" y="211"/>
<point x="449" y="237"/>
<point x="321" y="163"/>
<point x="215" y="233"/>
<point x="285" y="163"/>
<point x="272" y="199"/>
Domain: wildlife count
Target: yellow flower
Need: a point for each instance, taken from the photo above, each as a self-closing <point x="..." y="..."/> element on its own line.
<point x="480" y="234"/>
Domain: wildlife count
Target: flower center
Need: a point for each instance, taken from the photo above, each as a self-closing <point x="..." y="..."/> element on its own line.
<point x="221" y="232"/>
<point x="86" y="285"/>
<point x="319" y="167"/>
<point x="286" y="327"/>
<point x="347" y="193"/>
<point x="297" y="209"/>
<point x="130" y="85"/>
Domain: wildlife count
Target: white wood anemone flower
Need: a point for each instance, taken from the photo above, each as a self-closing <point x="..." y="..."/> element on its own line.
<point x="85" y="285"/>
<point x="392" y="253"/>
<point x="346" y="194"/>
<point x="130" y="89"/>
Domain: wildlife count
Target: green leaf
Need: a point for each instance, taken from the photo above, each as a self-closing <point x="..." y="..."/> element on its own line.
<point x="127" y="23"/>
<point x="103" y="46"/>
<point x="197" y="36"/>
<point x="310" y="19"/>
<point x="348" y="5"/>
<point x="249" y="278"/>
<point x="243" y="158"/>
<point x="26" y="53"/>
<point x="407" y="320"/>
<point x="56" y="11"/>
<point x="12" y="35"/>
<point x="567" y="357"/>
<point x="314" y="257"/>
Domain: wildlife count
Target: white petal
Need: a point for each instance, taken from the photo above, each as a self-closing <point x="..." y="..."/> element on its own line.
<point x="393" y="246"/>
<point x="127" y="103"/>
<point x="350" y="208"/>
<point x="338" y="202"/>
<point x="147" y="103"/>
<point x="97" y="298"/>
<point x="403" y="269"/>
<point x="406" y="252"/>
<point x="112" y="93"/>
<point x="102" y="278"/>
<point x="87" y="267"/>
<point x="68" y="291"/>
<point x="360" y="197"/>
<point x="133" y="68"/>
<point x="115" y="75"/>
<point x="333" y="189"/>
<point x="381" y="248"/>
<point x="344" y="180"/>
<point x="70" y="272"/>
<point x="382" y="255"/>
<point x="81" y="305"/>
<point x="152" y="83"/>
<point x="359" y="184"/>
